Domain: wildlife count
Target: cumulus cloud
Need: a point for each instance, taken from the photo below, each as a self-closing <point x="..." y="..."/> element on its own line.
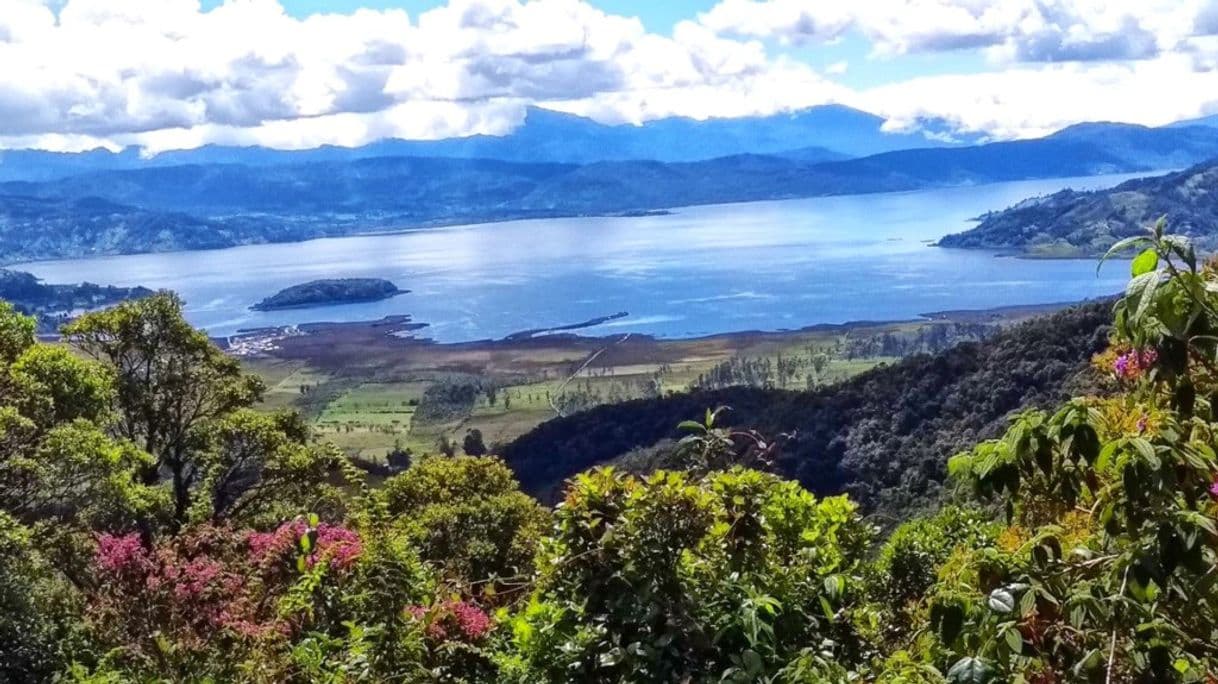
<point x="1025" y="30"/>
<point x="164" y="74"/>
<point x="1029" y="101"/>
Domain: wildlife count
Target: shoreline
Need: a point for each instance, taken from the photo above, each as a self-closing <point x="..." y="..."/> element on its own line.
<point x="258" y="341"/>
<point x="458" y="222"/>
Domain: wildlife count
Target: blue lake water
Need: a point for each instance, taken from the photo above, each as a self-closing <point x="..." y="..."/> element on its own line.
<point x="697" y="271"/>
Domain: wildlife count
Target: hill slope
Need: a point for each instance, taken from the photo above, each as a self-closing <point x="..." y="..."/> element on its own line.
<point x="883" y="436"/>
<point x="1087" y="223"/>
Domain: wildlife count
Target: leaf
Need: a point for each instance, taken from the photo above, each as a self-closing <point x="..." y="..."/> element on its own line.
<point x="969" y="670"/>
<point x="1013" y="639"/>
<point x="611" y="657"/>
<point x="1145" y="262"/>
<point x="753" y="662"/>
<point x="1120" y="246"/>
<point x="1001" y="600"/>
<point x="826" y="608"/>
<point x="1184" y="248"/>
<point x="834" y="586"/>
<point x="690" y="426"/>
<point x="1027" y="603"/>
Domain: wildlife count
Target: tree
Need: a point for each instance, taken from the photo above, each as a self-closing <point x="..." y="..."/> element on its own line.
<point x="472" y="444"/>
<point x="468" y="516"/>
<point x="180" y="398"/>
<point x="258" y="463"/>
<point x="16" y="332"/>
<point x="28" y="648"/>
<point x="53" y="386"/>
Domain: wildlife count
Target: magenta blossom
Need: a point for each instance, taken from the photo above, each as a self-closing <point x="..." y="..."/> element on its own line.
<point x="1133" y="363"/>
<point x="339" y="545"/>
<point x="453" y="619"/>
<point x="122" y="554"/>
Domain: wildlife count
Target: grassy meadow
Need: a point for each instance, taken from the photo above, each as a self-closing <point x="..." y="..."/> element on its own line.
<point x="370" y="389"/>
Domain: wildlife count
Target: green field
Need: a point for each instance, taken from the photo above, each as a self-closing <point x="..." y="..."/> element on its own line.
<point x="369" y="391"/>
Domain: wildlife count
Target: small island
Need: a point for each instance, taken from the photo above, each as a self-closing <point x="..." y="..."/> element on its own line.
<point x="330" y="292"/>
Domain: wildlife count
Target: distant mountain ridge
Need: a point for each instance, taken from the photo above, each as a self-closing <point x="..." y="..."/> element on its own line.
<point x="199" y="206"/>
<point x="1071" y="223"/>
<point x="822" y="133"/>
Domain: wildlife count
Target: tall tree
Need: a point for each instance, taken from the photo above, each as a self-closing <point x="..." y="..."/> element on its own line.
<point x="180" y="398"/>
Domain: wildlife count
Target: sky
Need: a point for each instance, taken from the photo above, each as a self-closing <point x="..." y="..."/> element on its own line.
<point x="174" y="74"/>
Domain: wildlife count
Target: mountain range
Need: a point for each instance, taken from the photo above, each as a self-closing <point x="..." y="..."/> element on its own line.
<point x="78" y="205"/>
<point x="1072" y="223"/>
<point x="824" y="133"/>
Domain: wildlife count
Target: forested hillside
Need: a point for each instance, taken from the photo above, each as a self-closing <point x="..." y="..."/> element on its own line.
<point x="1071" y="223"/>
<point x="883" y="437"/>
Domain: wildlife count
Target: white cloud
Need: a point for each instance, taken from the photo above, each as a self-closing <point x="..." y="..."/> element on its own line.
<point x="1029" y="101"/>
<point x="164" y="74"/>
<point x="1024" y="30"/>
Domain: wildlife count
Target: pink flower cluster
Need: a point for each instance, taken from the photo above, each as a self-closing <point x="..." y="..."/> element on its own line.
<point x="459" y="619"/>
<point x="1133" y="363"/>
<point x="186" y="583"/>
<point x="338" y="545"/>
<point x="122" y="554"/>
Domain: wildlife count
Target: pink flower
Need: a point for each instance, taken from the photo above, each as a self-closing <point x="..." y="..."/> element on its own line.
<point x="337" y="544"/>
<point x="473" y="621"/>
<point x="196" y="577"/>
<point x="122" y="554"/>
<point x="462" y="619"/>
<point x="1214" y="489"/>
<point x="1133" y="363"/>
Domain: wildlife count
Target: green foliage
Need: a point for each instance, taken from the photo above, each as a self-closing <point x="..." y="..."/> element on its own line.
<point x="259" y="466"/>
<point x="183" y="401"/>
<point x="910" y="559"/>
<point x="1108" y="570"/>
<point x="730" y="577"/>
<point x="53" y="386"/>
<point x="16" y="332"/>
<point x="1084" y="546"/>
<point x="467" y="516"/>
<point x="170" y="382"/>
<point x="33" y="627"/>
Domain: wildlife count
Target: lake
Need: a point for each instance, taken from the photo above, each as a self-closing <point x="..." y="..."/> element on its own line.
<point x="697" y="271"/>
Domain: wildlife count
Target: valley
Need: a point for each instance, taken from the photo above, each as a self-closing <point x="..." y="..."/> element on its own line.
<point x="374" y="387"/>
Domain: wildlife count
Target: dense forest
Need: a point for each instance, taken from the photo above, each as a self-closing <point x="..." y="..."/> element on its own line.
<point x="883" y="437"/>
<point x="154" y="527"/>
<point x="1071" y="223"/>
